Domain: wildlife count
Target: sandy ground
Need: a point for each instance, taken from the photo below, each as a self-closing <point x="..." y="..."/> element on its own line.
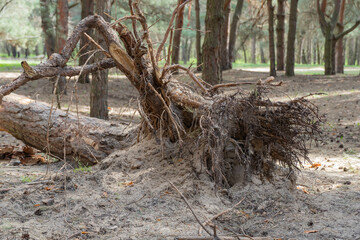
<point x="128" y="195"/>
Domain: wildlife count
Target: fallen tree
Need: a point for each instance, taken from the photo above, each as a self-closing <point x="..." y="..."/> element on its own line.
<point x="61" y="133"/>
<point x="242" y="130"/>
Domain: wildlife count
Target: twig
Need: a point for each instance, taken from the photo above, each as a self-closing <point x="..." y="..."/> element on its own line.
<point x="97" y="45"/>
<point x="161" y="46"/>
<point x="187" y="203"/>
<point x="220" y="214"/>
<point x="191" y="74"/>
<point x="137" y="200"/>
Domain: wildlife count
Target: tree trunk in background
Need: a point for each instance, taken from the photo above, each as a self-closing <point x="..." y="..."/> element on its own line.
<point x="340" y="45"/>
<point x="198" y="36"/>
<point x="329" y="54"/>
<point x="99" y="83"/>
<point x="253" y="49"/>
<point x="262" y="54"/>
<point x="184" y="46"/>
<point x="62" y="15"/>
<point x="87" y="8"/>
<point x="47" y="27"/>
<point x="314" y="44"/>
<point x="188" y="50"/>
<point x="225" y="61"/>
<point x="280" y="34"/>
<point x="318" y="53"/>
<point x="13" y="50"/>
<point x="299" y="44"/>
<point x="177" y="35"/>
<point x="290" y="50"/>
<point x="357" y="54"/>
<point x="212" y="41"/>
<point x="244" y="51"/>
<point x="233" y="30"/>
<point x="272" y="56"/>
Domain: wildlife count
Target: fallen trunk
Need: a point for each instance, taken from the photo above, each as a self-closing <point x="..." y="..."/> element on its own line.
<point x="63" y="134"/>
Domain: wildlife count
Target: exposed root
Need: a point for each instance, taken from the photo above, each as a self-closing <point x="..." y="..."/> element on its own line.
<point x="253" y="133"/>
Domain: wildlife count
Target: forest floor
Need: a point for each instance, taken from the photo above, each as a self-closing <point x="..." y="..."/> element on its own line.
<point x="128" y="195"/>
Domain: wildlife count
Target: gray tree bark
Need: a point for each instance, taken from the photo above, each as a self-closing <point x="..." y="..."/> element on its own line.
<point x="99" y="83"/>
<point x="211" y="47"/>
<point x="233" y="29"/>
<point x="290" y="50"/>
<point x="87" y="9"/>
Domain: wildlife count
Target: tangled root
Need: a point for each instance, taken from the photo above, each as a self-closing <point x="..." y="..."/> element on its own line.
<point x="244" y="134"/>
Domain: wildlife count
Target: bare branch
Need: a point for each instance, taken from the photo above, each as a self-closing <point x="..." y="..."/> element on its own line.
<point x="158" y="52"/>
<point x="43" y="70"/>
<point x="341" y="35"/>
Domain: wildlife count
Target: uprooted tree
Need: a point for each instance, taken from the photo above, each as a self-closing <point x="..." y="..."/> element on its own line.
<point x="254" y="131"/>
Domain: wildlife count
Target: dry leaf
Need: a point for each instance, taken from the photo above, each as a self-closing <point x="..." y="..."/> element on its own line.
<point x="37" y="205"/>
<point x="315" y="165"/>
<point x="303" y="189"/>
<point x="84" y="232"/>
<point x="29" y="151"/>
<point x="28" y="161"/>
<point x="311" y="231"/>
<point x="48" y="188"/>
<point x="128" y="183"/>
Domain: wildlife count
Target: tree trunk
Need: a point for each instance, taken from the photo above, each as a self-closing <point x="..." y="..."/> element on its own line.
<point x="314" y="56"/>
<point x="47" y="27"/>
<point x="175" y="54"/>
<point x="262" y="54"/>
<point x="86" y="139"/>
<point x="253" y="49"/>
<point x="225" y="61"/>
<point x="244" y="51"/>
<point x="318" y="53"/>
<point x="87" y="8"/>
<point x="62" y="16"/>
<point x="272" y="56"/>
<point x="184" y="46"/>
<point x="357" y="49"/>
<point x="188" y="51"/>
<point x="99" y="83"/>
<point x="340" y="45"/>
<point x="290" y="50"/>
<point x="198" y="36"/>
<point x="233" y="29"/>
<point x="329" y="54"/>
<point x="280" y="34"/>
<point x="13" y="50"/>
<point x="212" y="41"/>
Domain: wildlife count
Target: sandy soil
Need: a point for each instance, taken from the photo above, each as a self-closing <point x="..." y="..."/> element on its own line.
<point x="128" y="195"/>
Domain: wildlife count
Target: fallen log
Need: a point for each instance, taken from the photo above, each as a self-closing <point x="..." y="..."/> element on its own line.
<point x="61" y="133"/>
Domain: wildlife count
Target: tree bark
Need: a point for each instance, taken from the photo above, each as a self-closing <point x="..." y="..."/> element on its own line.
<point x="198" y="36"/>
<point x="280" y="34"/>
<point x="253" y="49"/>
<point x="99" y="83"/>
<point x="225" y="61"/>
<point x="272" y="56"/>
<point x="290" y="51"/>
<point x="87" y="9"/>
<point x="84" y="139"/>
<point x="47" y="27"/>
<point x="233" y="29"/>
<point x="339" y="43"/>
<point x="212" y="41"/>
<point x="62" y="15"/>
<point x="175" y="53"/>
<point x="262" y="54"/>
